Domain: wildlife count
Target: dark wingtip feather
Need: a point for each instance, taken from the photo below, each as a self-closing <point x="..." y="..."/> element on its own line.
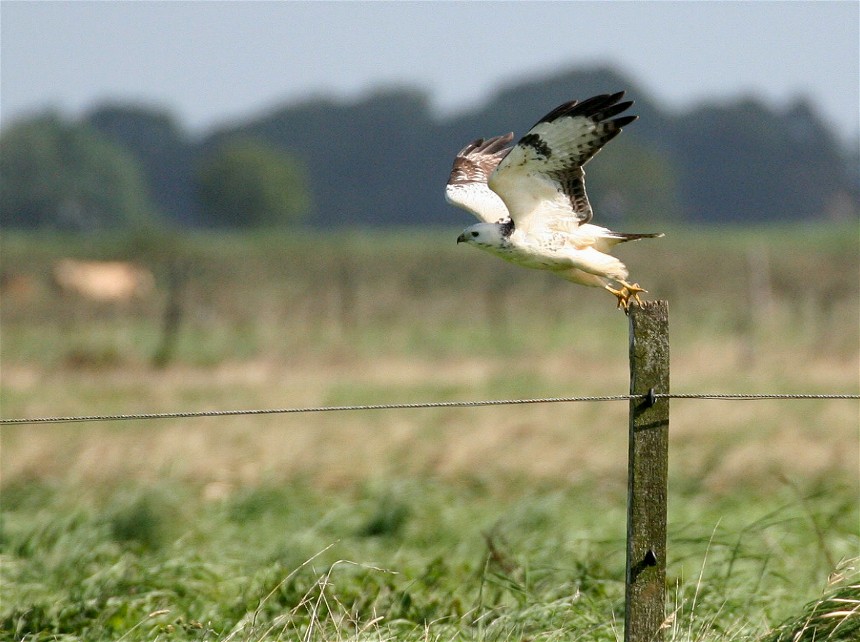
<point x="600" y="107"/>
<point x="614" y="110"/>
<point x="559" y="111"/>
<point x="635" y="237"/>
<point x="624" y="121"/>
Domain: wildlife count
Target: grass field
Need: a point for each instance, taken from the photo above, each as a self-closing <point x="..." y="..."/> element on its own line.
<point x="502" y="523"/>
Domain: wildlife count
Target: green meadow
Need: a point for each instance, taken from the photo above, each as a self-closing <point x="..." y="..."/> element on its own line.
<point x="495" y="523"/>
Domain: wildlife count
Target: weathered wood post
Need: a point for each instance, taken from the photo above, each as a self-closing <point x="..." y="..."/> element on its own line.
<point x="173" y="312"/>
<point x="645" y="582"/>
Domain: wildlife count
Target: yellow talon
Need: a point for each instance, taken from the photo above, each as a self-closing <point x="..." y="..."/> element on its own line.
<point x="625" y="293"/>
<point x="623" y="296"/>
<point x="633" y="289"/>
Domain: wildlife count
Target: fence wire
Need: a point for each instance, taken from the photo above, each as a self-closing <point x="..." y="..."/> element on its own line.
<point x="419" y="405"/>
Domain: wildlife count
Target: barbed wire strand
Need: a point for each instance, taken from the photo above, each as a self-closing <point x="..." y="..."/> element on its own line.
<point x="412" y="406"/>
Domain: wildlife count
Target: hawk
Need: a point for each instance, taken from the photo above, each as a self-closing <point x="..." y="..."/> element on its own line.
<point x="531" y="200"/>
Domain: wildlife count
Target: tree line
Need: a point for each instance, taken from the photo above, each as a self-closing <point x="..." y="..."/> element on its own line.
<point x="384" y="160"/>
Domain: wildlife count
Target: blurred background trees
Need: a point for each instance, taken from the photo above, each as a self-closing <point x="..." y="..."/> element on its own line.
<point x="384" y="159"/>
<point x="163" y="151"/>
<point x="66" y="176"/>
<point x="246" y="183"/>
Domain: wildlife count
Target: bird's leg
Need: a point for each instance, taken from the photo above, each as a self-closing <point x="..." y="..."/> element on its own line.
<point x="623" y="296"/>
<point x="625" y="293"/>
<point x="632" y="290"/>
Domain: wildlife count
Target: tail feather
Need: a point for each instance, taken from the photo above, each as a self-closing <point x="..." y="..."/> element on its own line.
<point x="622" y="237"/>
<point x="607" y="241"/>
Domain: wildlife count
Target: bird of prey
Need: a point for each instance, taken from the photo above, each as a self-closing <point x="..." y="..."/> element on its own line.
<point x="531" y="200"/>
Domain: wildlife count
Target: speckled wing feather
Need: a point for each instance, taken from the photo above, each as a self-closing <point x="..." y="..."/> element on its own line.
<point x="467" y="185"/>
<point x="541" y="180"/>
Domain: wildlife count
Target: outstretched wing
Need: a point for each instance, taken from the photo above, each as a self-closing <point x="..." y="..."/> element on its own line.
<point x="541" y="180"/>
<point x="467" y="184"/>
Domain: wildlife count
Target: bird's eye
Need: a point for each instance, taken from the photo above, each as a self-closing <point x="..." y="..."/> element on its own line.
<point x="474" y="235"/>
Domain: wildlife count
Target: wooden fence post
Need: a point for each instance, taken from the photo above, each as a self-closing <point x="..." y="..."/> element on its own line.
<point x="645" y="581"/>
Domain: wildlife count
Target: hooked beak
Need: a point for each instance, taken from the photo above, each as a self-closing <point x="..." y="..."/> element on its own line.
<point x="461" y="239"/>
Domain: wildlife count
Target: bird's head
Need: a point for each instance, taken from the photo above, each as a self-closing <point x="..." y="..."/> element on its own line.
<point x="492" y="235"/>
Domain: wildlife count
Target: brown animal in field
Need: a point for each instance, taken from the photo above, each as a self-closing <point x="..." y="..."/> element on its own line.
<point x="17" y="286"/>
<point x="105" y="281"/>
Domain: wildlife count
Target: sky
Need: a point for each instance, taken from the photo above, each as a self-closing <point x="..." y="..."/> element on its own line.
<point x="212" y="63"/>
